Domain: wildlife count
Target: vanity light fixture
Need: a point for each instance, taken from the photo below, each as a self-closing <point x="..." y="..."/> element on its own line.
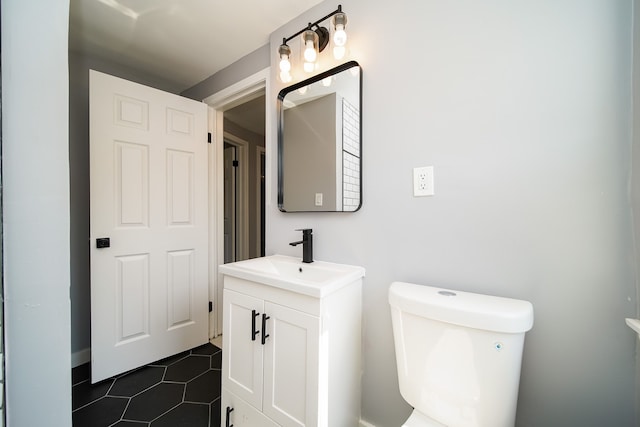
<point x="314" y="39"/>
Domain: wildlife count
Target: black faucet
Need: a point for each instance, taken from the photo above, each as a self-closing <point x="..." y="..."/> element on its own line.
<point x="307" y="245"/>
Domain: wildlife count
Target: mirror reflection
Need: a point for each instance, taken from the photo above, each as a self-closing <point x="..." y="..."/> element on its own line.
<point x="319" y="143"/>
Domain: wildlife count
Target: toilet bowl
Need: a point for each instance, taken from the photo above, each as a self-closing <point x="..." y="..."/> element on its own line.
<point x="458" y="355"/>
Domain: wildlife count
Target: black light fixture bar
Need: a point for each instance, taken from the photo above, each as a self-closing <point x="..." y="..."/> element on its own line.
<point x="312" y="24"/>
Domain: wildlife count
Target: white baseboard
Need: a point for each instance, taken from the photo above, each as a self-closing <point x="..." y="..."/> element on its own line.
<point x="81" y="357"/>
<point x="363" y="423"/>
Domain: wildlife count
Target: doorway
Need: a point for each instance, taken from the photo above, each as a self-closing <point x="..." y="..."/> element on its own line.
<point x="244" y="141"/>
<point x="239" y="124"/>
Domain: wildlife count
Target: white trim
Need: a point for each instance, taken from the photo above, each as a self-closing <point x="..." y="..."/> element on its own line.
<point x="260" y="151"/>
<point x="214" y="247"/>
<point x="363" y="423"/>
<point x="219" y="102"/>
<point x="239" y="92"/>
<point x="80" y="357"/>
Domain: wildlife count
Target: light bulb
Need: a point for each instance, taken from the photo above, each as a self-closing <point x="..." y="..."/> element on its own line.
<point x="339" y="52"/>
<point x="285" y="64"/>
<point x="340" y="36"/>
<point x="310" y="54"/>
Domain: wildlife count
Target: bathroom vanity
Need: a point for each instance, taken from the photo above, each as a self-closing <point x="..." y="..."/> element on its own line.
<point x="291" y="343"/>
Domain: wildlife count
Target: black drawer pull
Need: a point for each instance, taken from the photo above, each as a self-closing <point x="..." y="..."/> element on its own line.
<point x="265" y="335"/>
<point x="254" y="333"/>
<point x="229" y="411"/>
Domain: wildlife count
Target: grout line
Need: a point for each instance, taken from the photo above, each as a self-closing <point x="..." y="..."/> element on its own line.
<point x="97" y="400"/>
<point x="164" y="413"/>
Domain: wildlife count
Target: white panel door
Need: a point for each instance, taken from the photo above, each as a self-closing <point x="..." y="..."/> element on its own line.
<point x="291" y="361"/>
<point x="149" y="283"/>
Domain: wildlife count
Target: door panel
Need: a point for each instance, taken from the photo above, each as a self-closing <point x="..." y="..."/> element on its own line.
<point x="149" y="287"/>
<point x="132" y="298"/>
<point x="180" y="191"/>
<point x="132" y="187"/>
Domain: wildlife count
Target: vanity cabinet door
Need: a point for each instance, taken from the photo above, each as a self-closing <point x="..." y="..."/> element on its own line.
<point x="291" y="365"/>
<point x="243" y="349"/>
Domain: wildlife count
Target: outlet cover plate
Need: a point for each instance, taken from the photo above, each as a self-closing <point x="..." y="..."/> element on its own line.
<point x="423" y="181"/>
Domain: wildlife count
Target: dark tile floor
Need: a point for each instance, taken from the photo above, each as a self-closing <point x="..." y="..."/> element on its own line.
<point x="180" y="391"/>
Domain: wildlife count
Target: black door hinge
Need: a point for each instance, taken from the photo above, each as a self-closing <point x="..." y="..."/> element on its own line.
<point x="235" y="163"/>
<point x="209" y="137"/>
<point x="210" y="306"/>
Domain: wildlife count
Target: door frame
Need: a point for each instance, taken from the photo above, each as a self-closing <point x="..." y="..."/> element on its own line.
<point x="260" y="152"/>
<point x="218" y="103"/>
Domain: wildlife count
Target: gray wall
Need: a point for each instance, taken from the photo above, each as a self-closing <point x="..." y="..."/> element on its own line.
<point x="635" y="183"/>
<point x="524" y="110"/>
<point x="239" y="70"/>
<point x="35" y="193"/>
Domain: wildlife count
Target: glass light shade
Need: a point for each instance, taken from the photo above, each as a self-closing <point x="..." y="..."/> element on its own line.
<point x="310" y="41"/>
<point x="285" y="52"/>
<point x="340" y="23"/>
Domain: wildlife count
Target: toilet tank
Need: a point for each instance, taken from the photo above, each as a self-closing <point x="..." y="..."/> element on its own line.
<point x="459" y="353"/>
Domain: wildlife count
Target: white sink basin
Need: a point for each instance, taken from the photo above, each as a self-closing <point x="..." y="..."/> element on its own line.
<point x="316" y="279"/>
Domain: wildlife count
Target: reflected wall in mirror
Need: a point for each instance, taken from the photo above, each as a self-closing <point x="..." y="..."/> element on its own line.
<point x="320" y="142"/>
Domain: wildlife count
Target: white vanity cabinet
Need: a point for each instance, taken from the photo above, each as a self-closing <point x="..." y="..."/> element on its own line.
<point x="290" y="359"/>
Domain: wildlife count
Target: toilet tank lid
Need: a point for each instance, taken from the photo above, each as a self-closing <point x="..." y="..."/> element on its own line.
<point x="466" y="309"/>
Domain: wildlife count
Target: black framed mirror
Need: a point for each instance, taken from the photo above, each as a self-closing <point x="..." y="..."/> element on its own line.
<point x="320" y="142"/>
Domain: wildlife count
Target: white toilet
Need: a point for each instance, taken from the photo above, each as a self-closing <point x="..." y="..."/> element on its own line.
<point x="458" y="355"/>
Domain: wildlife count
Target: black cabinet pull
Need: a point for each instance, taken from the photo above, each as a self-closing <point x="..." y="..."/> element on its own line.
<point x="254" y="333"/>
<point x="265" y="335"/>
<point x="229" y="411"/>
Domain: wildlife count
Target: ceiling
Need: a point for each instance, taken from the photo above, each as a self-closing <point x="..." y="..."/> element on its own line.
<point x="180" y="41"/>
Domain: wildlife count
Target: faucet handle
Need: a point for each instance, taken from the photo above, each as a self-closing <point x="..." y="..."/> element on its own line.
<point x="305" y="230"/>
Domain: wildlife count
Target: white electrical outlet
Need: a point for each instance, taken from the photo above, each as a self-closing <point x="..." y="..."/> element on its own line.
<point x="423" y="181"/>
<point x="318" y="199"/>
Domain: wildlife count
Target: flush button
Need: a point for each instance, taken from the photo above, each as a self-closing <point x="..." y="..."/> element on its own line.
<point x="447" y="293"/>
